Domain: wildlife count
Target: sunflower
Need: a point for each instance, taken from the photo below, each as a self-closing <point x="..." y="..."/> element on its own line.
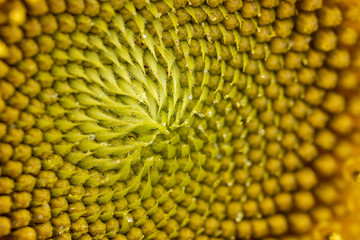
<point x="179" y="119"/>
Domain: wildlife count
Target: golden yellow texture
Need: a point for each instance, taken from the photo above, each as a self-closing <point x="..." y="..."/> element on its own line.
<point x="179" y="119"/>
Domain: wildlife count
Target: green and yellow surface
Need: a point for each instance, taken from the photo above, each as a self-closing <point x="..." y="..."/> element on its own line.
<point x="184" y="119"/>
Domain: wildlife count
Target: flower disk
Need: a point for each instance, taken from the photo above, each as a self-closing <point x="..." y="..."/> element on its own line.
<point x="179" y="119"/>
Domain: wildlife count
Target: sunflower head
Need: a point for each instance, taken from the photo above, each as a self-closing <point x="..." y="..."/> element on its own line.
<point x="184" y="119"/>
